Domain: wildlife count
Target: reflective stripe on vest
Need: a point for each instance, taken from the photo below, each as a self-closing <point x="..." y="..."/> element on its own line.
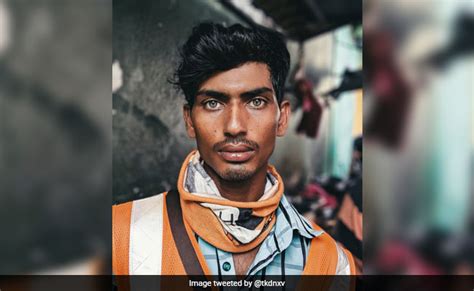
<point x="141" y="253"/>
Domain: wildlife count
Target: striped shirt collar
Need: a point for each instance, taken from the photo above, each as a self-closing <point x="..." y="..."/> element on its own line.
<point x="289" y="223"/>
<point x="288" y="233"/>
<point x="295" y="220"/>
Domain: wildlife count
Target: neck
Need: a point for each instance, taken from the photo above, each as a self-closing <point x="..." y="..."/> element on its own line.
<point x="249" y="190"/>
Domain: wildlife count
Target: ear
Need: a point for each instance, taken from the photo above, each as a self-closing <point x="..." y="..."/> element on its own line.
<point x="188" y="121"/>
<point x="285" y="111"/>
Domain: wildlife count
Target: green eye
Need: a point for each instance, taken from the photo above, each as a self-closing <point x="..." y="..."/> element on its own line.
<point x="212" y="104"/>
<point x="257" y="102"/>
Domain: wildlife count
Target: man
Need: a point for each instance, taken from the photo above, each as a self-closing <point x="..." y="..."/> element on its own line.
<point x="228" y="215"/>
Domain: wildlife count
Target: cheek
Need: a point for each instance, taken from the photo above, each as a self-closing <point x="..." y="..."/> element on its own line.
<point x="206" y="133"/>
<point x="269" y="126"/>
<point x="264" y="132"/>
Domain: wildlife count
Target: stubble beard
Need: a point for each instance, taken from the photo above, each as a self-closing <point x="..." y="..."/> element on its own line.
<point x="233" y="174"/>
<point x="237" y="174"/>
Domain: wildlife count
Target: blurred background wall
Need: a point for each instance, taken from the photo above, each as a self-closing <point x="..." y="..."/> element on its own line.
<point x="419" y="127"/>
<point x="55" y="135"/>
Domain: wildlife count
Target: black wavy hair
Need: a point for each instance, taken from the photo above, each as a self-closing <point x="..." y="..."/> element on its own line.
<point x="213" y="48"/>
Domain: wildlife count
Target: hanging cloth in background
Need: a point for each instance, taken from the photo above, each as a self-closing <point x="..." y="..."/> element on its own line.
<point x="312" y="109"/>
<point x="393" y="96"/>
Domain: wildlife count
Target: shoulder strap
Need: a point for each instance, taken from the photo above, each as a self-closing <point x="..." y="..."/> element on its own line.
<point x="183" y="243"/>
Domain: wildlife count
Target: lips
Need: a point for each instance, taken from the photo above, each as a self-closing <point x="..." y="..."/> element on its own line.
<point x="236" y="153"/>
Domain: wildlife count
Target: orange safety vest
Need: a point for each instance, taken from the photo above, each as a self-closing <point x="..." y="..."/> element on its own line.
<point x="144" y="242"/>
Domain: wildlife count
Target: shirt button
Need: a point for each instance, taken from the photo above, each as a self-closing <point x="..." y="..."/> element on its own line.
<point x="226" y="266"/>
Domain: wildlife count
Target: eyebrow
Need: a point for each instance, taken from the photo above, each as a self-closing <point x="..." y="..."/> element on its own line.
<point x="224" y="96"/>
<point x="214" y="94"/>
<point x="256" y="92"/>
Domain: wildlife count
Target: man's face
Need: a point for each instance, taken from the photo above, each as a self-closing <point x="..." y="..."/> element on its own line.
<point x="235" y="120"/>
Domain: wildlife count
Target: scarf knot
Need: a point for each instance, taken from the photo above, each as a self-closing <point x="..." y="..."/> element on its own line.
<point x="228" y="225"/>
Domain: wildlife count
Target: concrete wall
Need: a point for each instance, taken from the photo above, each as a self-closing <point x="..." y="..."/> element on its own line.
<point x="149" y="139"/>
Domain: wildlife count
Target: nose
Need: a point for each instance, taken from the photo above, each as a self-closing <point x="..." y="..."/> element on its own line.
<point x="235" y="122"/>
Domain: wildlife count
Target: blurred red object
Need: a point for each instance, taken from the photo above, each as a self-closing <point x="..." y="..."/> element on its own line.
<point x="398" y="258"/>
<point x="316" y="192"/>
<point x="312" y="110"/>
<point x="392" y="94"/>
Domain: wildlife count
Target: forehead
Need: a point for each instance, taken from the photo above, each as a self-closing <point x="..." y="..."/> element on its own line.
<point x="241" y="79"/>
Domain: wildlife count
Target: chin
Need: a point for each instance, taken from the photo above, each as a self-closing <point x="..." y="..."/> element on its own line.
<point x="237" y="175"/>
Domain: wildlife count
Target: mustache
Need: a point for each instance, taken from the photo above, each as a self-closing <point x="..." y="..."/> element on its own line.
<point x="235" y="140"/>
